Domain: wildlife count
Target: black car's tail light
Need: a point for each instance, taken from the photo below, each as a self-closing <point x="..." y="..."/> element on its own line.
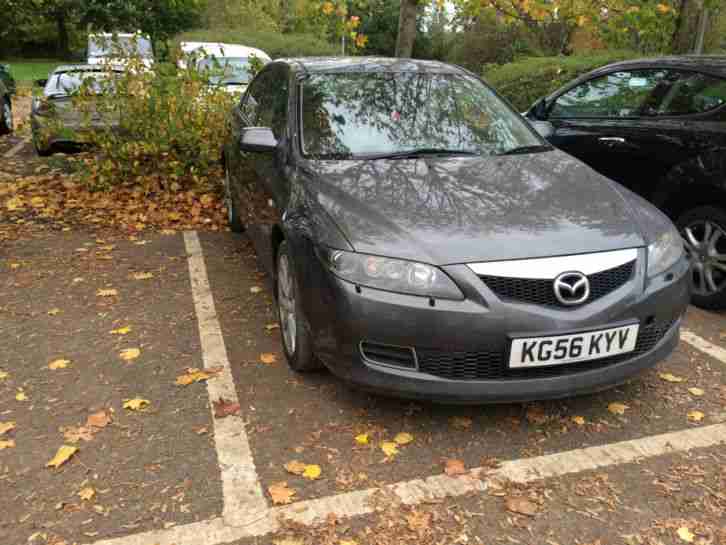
<point x="384" y="354"/>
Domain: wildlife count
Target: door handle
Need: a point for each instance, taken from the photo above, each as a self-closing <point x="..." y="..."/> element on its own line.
<point x="611" y="140"/>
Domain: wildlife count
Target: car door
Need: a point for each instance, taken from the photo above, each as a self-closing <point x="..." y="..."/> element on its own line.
<point x="607" y="122"/>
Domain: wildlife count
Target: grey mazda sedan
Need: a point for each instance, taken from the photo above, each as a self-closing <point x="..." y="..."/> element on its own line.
<point x="424" y="241"/>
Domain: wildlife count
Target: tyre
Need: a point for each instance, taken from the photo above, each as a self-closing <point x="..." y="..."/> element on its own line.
<point x="296" y="340"/>
<point x="704" y="235"/>
<point x="231" y="203"/>
<point x="6" y="116"/>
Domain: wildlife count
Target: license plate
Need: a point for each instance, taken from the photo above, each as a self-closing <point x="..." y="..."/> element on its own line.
<point x="573" y="347"/>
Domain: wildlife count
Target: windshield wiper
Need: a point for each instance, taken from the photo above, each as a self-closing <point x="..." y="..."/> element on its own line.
<point x="526" y="149"/>
<point x="414" y="153"/>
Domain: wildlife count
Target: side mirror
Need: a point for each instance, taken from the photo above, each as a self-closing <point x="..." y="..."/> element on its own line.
<point x="40" y="82"/>
<point x="539" y="110"/>
<point x="544" y="128"/>
<point x="258" y="140"/>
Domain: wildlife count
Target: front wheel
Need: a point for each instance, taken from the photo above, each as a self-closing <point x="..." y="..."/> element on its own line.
<point x="6" y="116"/>
<point x="704" y="236"/>
<point x="231" y="203"/>
<point x="296" y="339"/>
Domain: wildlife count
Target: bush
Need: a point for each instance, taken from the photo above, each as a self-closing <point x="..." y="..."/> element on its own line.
<point x="275" y="44"/>
<point x="524" y="81"/>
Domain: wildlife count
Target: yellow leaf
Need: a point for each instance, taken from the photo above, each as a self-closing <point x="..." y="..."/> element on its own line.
<point x="129" y="354"/>
<point x="143" y="275"/>
<point x="579" y="420"/>
<point x="86" y="493"/>
<point x="296" y="467"/>
<point x="6" y="427"/>
<point x="193" y="375"/>
<point x="268" y="358"/>
<point x="58" y="364"/>
<point x="389" y="448"/>
<point x="14" y="266"/>
<point x="3" y="375"/>
<point x="618" y="408"/>
<point x="347" y="542"/>
<point x="135" y="404"/>
<point x="695" y="416"/>
<point x="174" y="216"/>
<point x="685" y="534"/>
<point x="62" y="456"/>
<point x="10" y="443"/>
<point x="669" y="377"/>
<point x="460" y="422"/>
<point x="361" y="439"/>
<point x="20" y="396"/>
<point x="454" y="467"/>
<point x="403" y="438"/>
<point x="53" y="311"/>
<point x="312" y="472"/>
<point x="121" y="330"/>
<point x="100" y="419"/>
<point x="280" y="493"/>
<point x="270" y="327"/>
<point x="696" y="392"/>
<point x="255" y="289"/>
<point x="107" y="292"/>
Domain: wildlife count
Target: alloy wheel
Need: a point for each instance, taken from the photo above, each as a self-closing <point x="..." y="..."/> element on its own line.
<point x="705" y="243"/>
<point x="286" y="303"/>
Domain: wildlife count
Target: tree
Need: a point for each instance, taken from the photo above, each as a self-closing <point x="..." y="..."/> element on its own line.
<point x="406" y="28"/>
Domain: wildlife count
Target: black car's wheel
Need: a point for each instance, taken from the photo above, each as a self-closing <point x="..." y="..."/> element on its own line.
<point x="231" y="203"/>
<point x="704" y="235"/>
<point x="296" y="339"/>
<point x="6" y="116"/>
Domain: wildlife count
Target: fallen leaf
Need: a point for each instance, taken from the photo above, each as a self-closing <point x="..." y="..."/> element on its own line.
<point x="200" y="430"/>
<point x="53" y="311"/>
<point x="288" y="541"/>
<point x="579" y="420"/>
<point x="347" y="542"/>
<point x="520" y="505"/>
<point x="312" y="472"/>
<point x="361" y="438"/>
<point x="389" y="448"/>
<point x="696" y="392"/>
<point x="143" y="275"/>
<point x="695" y="416"/>
<point x="195" y="375"/>
<point x="6" y="427"/>
<point x="75" y="434"/>
<point x="58" y="364"/>
<point x="62" y="456"/>
<point x="403" y="438"/>
<point x="223" y="408"/>
<point x="418" y="520"/>
<point x="618" y="408"/>
<point x="460" y="422"/>
<point x="129" y="354"/>
<point x="536" y="415"/>
<point x="20" y="396"/>
<point x="255" y="289"/>
<point x="268" y="358"/>
<point x="685" y="534"/>
<point x="168" y="232"/>
<point x="295" y="467"/>
<point x="121" y="330"/>
<point x="270" y="327"/>
<point x="454" y="467"/>
<point x="669" y="377"/>
<point x="3" y="375"/>
<point x="107" y="292"/>
<point x="10" y="443"/>
<point x="280" y="493"/>
<point x="136" y="404"/>
<point x="86" y="493"/>
<point x="101" y="419"/>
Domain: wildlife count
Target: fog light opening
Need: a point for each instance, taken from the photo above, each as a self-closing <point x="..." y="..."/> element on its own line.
<point x="650" y="320"/>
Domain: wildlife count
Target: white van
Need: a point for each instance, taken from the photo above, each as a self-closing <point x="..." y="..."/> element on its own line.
<point x="233" y="59"/>
<point x="117" y="48"/>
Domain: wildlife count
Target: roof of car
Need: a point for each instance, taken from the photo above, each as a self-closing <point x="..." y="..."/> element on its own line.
<point x="368" y="64"/>
<point x="85" y="68"/>
<point x="219" y="49"/>
<point x="711" y="64"/>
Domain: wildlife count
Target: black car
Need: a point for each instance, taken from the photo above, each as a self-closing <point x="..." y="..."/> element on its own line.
<point x="657" y="126"/>
<point x="7" y="89"/>
<point x="425" y="241"/>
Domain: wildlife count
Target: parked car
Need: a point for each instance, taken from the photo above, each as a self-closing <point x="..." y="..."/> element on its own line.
<point x="425" y="241"/>
<point x="657" y="126"/>
<point x="7" y="90"/>
<point x="117" y="48"/>
<point x="55" y="120"/>
<point x="230" y="65"/>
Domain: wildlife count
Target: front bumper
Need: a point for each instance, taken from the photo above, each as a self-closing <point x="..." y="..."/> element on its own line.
<point x="474" y="335"/>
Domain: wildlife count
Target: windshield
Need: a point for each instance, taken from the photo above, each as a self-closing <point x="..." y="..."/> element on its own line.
<point x="67" y="83"/>
<point x="227" y="70"/>
<point x="119" y="46"/>
<point x="377" y="114"/>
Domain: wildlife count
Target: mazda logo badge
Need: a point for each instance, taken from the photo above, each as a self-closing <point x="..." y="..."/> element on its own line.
<point x="572" y="288"/>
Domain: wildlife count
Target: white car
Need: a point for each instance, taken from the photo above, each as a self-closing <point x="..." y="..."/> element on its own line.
<point x="118" y="48"/>
<point x="233" y="60"/>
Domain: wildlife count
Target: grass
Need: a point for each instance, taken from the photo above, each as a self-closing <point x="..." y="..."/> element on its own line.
<point x="25" y="71"/>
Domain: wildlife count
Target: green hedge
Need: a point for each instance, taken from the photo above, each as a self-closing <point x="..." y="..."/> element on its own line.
<point x="274" y="44"/>
<point x="524" y="81"/>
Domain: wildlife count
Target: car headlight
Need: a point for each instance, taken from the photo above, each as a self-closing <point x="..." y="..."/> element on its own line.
<point x="665" y="251"/>
<point x="395" y="275"/>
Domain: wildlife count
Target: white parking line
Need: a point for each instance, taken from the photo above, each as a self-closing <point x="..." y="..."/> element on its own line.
<point x="242" y="493"/>
<point x="15" y="149"/>
<point x="703" y="345"/>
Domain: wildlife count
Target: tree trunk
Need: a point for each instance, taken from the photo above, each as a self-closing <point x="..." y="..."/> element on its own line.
<point x="686" y="26"/>
<point x="63" y="39"/>
<point x="702" y="24"/>
<point x="284" y="16"/>
<point x="406" y="28"/>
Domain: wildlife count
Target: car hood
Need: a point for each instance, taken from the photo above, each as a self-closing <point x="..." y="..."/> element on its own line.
<point x="446" y="210"/>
